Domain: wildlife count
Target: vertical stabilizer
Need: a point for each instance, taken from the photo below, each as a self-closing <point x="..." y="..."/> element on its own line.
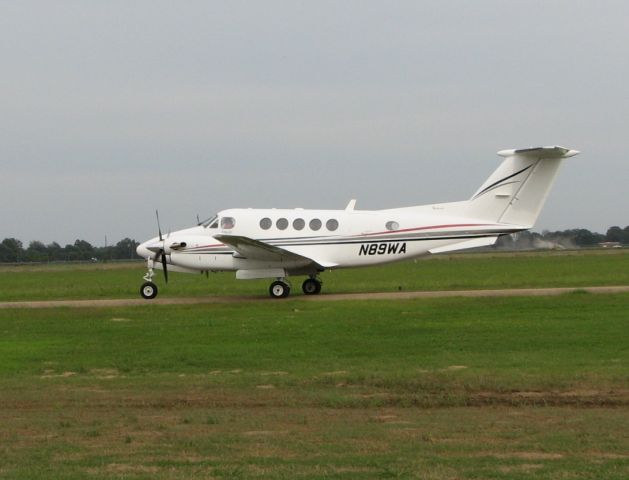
<point x="515" y="193"/>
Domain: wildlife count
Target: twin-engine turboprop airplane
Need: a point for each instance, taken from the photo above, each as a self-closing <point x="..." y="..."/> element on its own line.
<point x="274" y="243"/>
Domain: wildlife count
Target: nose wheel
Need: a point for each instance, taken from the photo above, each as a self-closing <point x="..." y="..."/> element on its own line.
<point x="148" y="290"/>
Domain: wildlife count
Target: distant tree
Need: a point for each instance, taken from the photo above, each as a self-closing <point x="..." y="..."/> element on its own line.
<point x="37" y="252"/>
<point x="614" y="234"/>
<point x="125" y="249"/>
<point x="70" y="253"/>
<point x="11" y="250"/>
<point x="83" y="250"/>
<point x="55" y="252"/>
<point x="584" y="238"/>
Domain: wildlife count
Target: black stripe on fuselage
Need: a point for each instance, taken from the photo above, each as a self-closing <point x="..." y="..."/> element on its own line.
<point x="358" y="242"/>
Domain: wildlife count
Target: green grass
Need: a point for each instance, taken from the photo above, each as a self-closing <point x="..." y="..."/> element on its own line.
<point x="509" y="343"/>
<point x="441" y="388"/>
<point x="462" y="271"/>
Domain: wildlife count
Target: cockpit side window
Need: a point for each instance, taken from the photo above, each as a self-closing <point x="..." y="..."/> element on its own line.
<point x="211" y="222"/>
<point x="227" y="223"/>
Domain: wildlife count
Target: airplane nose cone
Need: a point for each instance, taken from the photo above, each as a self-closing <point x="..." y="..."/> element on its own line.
<point x="142" y="251"/>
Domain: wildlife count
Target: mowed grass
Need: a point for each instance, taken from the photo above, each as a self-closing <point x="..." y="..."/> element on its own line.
<point x="439" y="388"/>
<point x="454" y="272"/>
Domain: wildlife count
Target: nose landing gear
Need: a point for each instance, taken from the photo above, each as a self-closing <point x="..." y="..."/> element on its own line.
<point x="148" y="290"/>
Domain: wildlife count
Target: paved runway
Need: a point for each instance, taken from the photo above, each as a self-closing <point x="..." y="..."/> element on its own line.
<point x="516" y="292"/>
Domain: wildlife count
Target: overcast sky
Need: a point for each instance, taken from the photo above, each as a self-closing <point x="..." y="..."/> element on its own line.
<point x="109" y="110"/>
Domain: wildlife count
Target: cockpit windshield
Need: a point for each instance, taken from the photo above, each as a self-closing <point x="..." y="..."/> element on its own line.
<point x="211" y="222"/>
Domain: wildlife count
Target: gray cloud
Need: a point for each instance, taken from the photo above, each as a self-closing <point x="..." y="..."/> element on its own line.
<point x="110" y="110"/>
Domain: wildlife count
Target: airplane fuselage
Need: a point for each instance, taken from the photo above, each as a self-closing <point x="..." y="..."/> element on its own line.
<point x="334" y="238"/>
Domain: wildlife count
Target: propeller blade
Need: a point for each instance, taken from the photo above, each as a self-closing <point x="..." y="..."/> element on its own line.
<point x="159" y="229"/>
<point x="165" y="267"/>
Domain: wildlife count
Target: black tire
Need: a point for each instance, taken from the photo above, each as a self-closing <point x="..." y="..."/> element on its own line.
<point x="279" y="289"/>
<point x="148" y="290"/>
<point x="311" y="286"/>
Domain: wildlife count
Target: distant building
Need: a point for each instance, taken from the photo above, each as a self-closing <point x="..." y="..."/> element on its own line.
<point x="610" y="245"/>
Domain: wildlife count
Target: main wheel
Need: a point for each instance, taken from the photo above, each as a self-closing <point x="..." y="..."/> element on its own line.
<point x="279" y="289"/>
<point x="311" y="286"/>
<point x="148" y="290"/>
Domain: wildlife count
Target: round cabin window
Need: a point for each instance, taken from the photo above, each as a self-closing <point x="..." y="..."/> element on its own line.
<point x="281" y="223"/>
<point x="332" y="224"/>
<point x="299" y="224"/>
<point x="265" y="223"/>
<point x="315" y="224"/>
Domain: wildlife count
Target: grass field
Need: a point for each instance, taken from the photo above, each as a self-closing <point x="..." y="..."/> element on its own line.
<point x="453" y="272"/>
<point x="499" y="388"/>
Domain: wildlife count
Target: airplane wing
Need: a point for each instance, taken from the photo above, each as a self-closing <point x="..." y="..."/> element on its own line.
<point x="257" y="250"/>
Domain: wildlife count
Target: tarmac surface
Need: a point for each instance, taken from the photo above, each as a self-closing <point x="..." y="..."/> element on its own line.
<point x="516" y="292"/>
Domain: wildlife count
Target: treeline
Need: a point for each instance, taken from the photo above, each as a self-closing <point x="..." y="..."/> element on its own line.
<point x="574" y="238"/>
<point x="12" y="251"/>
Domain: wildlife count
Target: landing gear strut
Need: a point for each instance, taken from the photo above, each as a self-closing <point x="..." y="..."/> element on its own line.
<point x="279" y="289"/>
<point x="311" y="286"/>
<point x="148" y="290"/>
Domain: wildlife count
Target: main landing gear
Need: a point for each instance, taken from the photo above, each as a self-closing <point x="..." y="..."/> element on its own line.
<point x="281" y="289"/>
<point x="311" y="286"/>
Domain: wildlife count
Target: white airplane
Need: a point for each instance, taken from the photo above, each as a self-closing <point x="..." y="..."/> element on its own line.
<point x="280" y="243"/>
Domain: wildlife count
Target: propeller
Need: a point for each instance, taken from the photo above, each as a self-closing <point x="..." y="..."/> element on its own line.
<point x="159" y="229"/>
<point x="160" y="253"/>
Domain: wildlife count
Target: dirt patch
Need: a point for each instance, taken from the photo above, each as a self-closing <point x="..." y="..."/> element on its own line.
<point x="105" y="373"/>
<point x="457" y="367"/>
<point x="578" y="398"/>
<point x="525" y="467"/>
<point x="50" y="374"/>
<point x="385" y="418"/>
<point x="264" y="433"/>
<point x="335" y="373"/>
<point x="529" y="455"/>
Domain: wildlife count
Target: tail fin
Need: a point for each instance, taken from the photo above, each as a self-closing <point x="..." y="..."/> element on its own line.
<point x="515" y="193"/>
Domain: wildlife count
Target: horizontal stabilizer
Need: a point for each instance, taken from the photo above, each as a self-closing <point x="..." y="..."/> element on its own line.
<point x="473" y="243"/>
<point x="540" y="152"/>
